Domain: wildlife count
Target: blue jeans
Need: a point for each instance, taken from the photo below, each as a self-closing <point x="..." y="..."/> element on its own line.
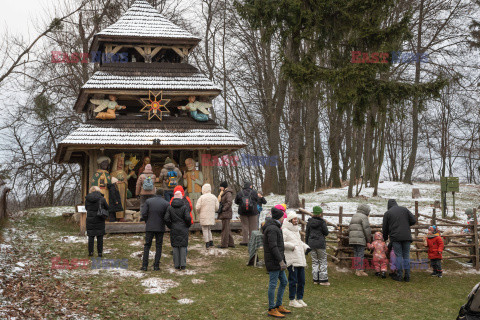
<point x="296" y="282"/>
<point x="358" y="254"/>
<point x="168" y="194"/>
<point x="274" y="277"/>
<point x="402" y="257"/>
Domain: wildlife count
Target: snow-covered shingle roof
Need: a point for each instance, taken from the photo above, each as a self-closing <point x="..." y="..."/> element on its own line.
<point x="172" y="131"/>
<point x="150" y="76"/>
<point x="143" y="20"/>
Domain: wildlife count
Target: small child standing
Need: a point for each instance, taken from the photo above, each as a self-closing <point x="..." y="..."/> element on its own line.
<point x="380" y="250"/>
<point x="435" y="248"/>
<point x="315" y="238"/>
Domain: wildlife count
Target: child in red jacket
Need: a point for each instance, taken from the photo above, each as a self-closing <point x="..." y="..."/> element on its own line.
<point x="435" y="248"/>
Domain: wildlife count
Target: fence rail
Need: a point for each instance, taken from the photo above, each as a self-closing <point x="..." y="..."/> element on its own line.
<point x="343" y="252"/>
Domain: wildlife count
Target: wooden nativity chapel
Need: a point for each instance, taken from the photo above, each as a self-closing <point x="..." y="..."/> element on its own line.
<point x="152" y="109"/>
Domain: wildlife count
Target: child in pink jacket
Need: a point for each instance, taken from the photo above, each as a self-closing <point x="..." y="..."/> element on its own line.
<point x="380" y="250"/>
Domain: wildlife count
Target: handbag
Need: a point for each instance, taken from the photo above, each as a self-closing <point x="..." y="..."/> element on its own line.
<point x="220" y="208"/>
<point x="102" y="212"/>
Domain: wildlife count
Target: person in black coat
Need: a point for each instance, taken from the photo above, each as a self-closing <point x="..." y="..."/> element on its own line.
<point x="315" y="238"/>
<point x="153" y="213"/>
<point x="95" y="224"/>
<point x="248" y="219"/>
<point x="178" y="219"/>
<point x="273" y="248"/>
<point x="396" y="225"/>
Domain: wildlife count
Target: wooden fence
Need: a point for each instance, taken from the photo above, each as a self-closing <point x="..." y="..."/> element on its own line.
<point x="337" y="240"/>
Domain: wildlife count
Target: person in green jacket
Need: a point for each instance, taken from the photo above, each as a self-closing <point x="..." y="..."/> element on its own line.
<point x="359" y="235"/>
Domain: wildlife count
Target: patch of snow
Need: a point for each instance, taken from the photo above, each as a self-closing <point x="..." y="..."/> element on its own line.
<point x="136" y="243"/>
<point x="198" y="281"/>
<point x="186" y="272"/>
<point x="139" y="254"/>
<point x="73" y="239"/>
<point x="17" y="269"/>
<point x="185" y="301"/>
<point x="21" y="264"/>
<point x="158" y="286"/>
<point x="117" y="272"/>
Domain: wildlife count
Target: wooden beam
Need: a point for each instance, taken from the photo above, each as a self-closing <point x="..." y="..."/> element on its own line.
<point x="179" y="52"/>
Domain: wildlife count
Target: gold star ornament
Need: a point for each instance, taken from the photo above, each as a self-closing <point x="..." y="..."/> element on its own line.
<point x="154" y="107"/>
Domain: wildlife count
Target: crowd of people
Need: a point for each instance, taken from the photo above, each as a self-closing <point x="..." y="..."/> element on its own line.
<point x="283" y="247"/>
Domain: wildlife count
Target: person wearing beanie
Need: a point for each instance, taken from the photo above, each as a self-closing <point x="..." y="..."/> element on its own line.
<point x="170" y="177"/>
<point x="315" y="235"/>
<point x="247" y="201"/>
<point x="186" y="200"/>
<point x="396" y="227"/>
<point x="274" y="255"/>
<point x="295" y="258"/>
<point x="146" y="185"/>
<point x="179" y="220"/>
<point x="435" y="246"/>
<point x="359" y="235"/>
<point x="206" y="207"/>
<point x="225" y="215"/>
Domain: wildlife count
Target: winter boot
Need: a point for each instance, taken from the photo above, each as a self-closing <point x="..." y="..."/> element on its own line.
<point x="211" y="244"/>
<point x="384" y="275"/>
<point x="100" y="254"/>
<point x="406" y="279"/>
<point x="207" y="245"/>
<point x="143" y="268"/>
<point x="90" y="254"/>
<point x="434" y="273"/>
<point x="377" y="274"/>
<point x="275" y="313"/>
<point x="439" y="274"/>
<point x="281" y="309"/>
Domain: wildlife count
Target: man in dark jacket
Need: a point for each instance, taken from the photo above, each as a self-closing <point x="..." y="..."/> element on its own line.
<point x="153" y="213"/>
<point x="248" y="211"/>
<point x="95" y="224"/>
<point x="273" y="248"/>
<point x="396" y="225"/>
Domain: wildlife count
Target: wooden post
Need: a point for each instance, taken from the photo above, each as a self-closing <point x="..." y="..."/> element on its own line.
<point x="83" y="223"/>
<point x="303" y="218"/>
<point x="475" y="238"/>
<point x="434" y="217"/>
<point x="416" y="230"/>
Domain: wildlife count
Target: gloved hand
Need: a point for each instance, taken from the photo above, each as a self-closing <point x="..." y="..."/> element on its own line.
<point x="307" y="251"/>
<point x="283" y="266"/>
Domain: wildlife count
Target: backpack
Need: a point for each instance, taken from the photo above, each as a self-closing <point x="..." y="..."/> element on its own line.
<point x="172" y="178"/>
<point x="148" y="184"/>
<point x="247" y="202"/>
<point x="471" y="310"/>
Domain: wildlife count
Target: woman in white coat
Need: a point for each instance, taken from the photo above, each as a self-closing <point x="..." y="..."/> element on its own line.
<point x="206" y="207"/>
<point x="296" y="262"/>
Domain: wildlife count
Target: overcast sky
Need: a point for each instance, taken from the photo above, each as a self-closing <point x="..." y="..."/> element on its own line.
<point x="21" y="17"/>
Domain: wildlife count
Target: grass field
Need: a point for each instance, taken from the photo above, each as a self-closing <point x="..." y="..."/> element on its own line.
<point x="216" y="284"/>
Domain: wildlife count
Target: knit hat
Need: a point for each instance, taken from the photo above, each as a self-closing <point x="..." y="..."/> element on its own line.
<point x="317" y="210"/>
<point x="291" y="215"/>
<point x="168" y="160"/>
<point x="433" y="229"/>
<point x="277" y="214"/>
<point x="224" y="184"/>
<point x="280" y="207"/>
<point x="284" y="205"/>
<point x="247" y="184"/>
<point x="178" y="195"/>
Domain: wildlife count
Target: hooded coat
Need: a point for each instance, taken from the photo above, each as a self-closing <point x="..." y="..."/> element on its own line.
<point x="435" y="246"/>
<point x="179" y="220"/>
<point x="273" y="246"/>
<point x="153" y="212"/>
<point x="379" y="247"/>
<point x="164" y="175"/>
<point x="95" y="224"/>
<point x="146" y="173"/>
<point x="206" y="206"/>
<point x="359" y="228"/>
<point x="316" y="232"/>
<point x="226" y="199"/>
<point x="294" y="246"/>
<point x="396" y="222"/>
<point x="186" y="200"/>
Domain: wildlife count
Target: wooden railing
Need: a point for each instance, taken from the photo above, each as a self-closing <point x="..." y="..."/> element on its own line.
<point x="343" y="252"/>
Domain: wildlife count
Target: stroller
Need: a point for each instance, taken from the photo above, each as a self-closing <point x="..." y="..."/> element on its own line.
<point x="471" y="310"/>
